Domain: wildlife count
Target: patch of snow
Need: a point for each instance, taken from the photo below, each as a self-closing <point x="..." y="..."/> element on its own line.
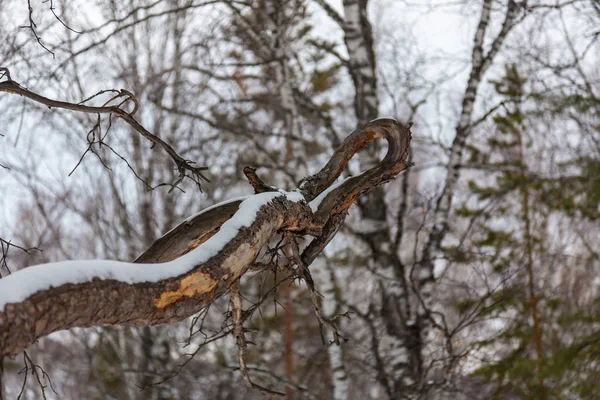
<point x="314" y="205"/>
<point x="295" y="195"/>
<point x="381" y="118"/>
<point x="439" y="268"/>
<point x="19" y="285"/>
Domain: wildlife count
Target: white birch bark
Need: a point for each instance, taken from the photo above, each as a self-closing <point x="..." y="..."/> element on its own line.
<point x="480" y="63"/>
<point x="361" y="65"/>
<point x="359" y="42"/>
<point x="401" y="361"/>
<point x="339" y="378"/>
<point x="288" y="102"/>
<point x="404" y="328"/>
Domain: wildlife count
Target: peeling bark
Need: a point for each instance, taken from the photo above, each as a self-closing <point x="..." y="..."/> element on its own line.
<point x="112" y="302"/>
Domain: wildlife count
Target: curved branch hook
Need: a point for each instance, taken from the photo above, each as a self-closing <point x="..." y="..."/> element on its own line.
<point x="398" y="137"/>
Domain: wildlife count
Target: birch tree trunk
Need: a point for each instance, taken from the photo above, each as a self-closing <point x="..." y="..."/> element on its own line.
<point x="361" y="66"/>
<point x="406" y="326"/>
<point x="405" y="359"/>
<point x="480" y="63"/>
<point x="339" y="377"/>
<point x="361" y="62"/>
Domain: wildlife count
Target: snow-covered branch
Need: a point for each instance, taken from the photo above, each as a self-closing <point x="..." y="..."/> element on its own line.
<point x="189" y="267"/>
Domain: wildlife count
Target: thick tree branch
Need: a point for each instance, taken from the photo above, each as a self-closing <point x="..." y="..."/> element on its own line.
<point x="198" y="260"/>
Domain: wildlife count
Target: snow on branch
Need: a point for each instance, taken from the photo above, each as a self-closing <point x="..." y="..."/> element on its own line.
<point x="185" y="270"/>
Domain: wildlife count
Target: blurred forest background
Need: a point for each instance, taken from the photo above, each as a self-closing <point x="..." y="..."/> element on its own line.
<point x="474" y="275"/>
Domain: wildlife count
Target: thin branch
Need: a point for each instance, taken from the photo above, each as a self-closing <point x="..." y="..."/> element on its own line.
<point x="236" y="313"/>
<point x="334" y="15"/>
<point x="302" y="389"/>
<point x="307" y="278"/>
<point x="60" y="20"/>
<point x="5" y="246"/>
<point x="33" y="26"/>
<point x="184" y="167"/>
<point x="32" y="367"/>
<point x="238" y="329"/>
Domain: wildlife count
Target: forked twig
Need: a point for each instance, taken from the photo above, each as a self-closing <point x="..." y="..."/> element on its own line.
<point x="306" y="276"/>
<point x="238" y="329"/>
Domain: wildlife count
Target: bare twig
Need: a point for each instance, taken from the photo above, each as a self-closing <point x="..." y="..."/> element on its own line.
<point x="33" y="26"/>
<point x="5" y="246"/>
<point x="238" y="329"/>
<point x="184" y="167"/>
<point x="302" y="389"/>
<point x="191" y="356"/>
<point x="32" y="367"/>
<point x="306" y="276"/>
<point x="52" y="9"/>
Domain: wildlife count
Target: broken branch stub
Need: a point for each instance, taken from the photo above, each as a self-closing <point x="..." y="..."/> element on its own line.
<point x="189" y="267"/>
